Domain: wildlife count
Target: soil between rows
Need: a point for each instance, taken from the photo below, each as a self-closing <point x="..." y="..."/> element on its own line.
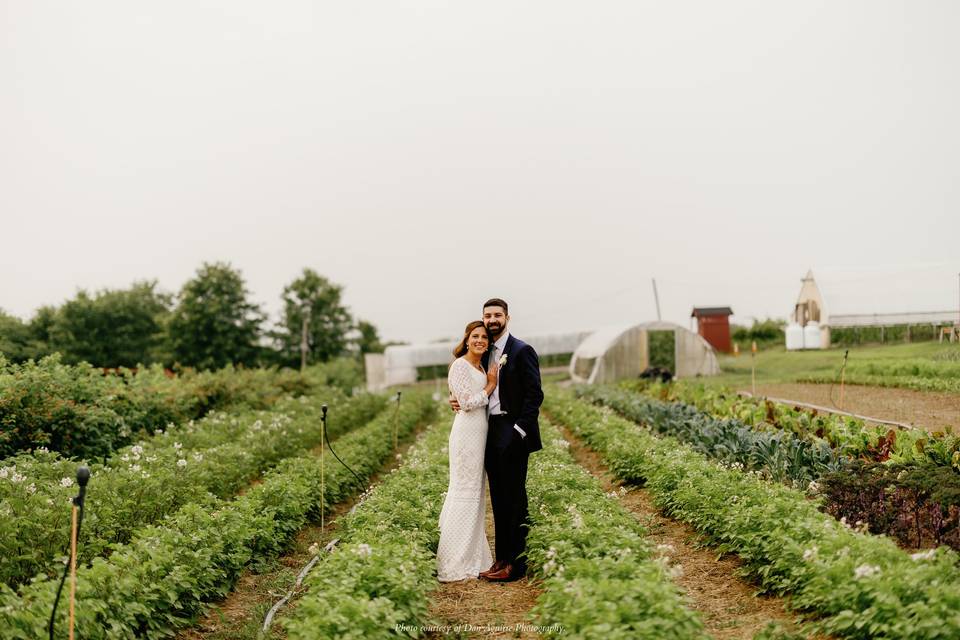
<point x="930" y="410"/>
<point x="725" y="600"/>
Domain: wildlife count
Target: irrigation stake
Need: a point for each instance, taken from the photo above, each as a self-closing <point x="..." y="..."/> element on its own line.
<point x="843" y="370"/>
<point x="396" y="413"/>
<point x="323" y="488"/>
<point x="753" y="367"/>
<point x="76" y="519"/>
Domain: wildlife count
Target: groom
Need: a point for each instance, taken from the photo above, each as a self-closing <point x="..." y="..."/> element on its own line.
<point x="512" y="435"/>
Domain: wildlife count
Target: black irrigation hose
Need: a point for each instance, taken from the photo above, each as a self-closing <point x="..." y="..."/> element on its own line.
<point x="326" y="436"/>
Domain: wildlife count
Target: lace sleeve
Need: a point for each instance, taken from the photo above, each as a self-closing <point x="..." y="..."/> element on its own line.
<point x="463" y="387"/>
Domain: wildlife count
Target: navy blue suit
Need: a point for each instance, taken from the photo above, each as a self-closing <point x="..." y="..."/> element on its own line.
<point x="507" y="450"/>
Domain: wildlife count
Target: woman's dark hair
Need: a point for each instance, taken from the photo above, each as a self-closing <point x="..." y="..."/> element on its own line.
<point x="461" y="348"/>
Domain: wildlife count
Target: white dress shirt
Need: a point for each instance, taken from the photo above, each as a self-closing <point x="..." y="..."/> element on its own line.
<point x="493" y="408"/>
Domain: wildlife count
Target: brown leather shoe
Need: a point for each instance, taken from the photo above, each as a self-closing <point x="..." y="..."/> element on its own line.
<point x="506" y="574"/>
<point x="497" y="566"/>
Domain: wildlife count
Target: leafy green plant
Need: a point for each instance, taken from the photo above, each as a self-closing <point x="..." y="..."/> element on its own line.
<point x="859" y="585"/>
<point x="160" y="581"/>
<point x="601" y="576"/>
<point x="779" y="455"/>
<point x="144" y="482"/>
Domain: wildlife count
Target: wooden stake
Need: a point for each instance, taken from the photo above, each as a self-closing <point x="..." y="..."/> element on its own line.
<point x="396" y="413"/>
<point x="323" y="487"/>
<point x="753" y="366"/>
<point x="73" y="567"/>
<point x="843" y="373"/>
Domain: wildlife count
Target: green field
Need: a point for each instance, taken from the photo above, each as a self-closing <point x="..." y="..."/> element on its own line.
<point x="895" y="364"/>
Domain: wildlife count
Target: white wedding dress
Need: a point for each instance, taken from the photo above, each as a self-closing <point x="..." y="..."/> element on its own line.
<point x="464" y="551"/>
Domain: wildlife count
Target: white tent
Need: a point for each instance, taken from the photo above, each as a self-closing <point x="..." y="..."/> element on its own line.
<point x="399" y="363"/>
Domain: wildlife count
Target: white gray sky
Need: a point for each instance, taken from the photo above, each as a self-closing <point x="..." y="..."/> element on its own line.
<point x="430" y="155"/>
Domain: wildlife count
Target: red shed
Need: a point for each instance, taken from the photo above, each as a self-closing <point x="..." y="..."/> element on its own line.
<point x="713" y="323"/>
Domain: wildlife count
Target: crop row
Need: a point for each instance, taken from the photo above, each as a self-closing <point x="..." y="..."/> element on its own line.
<point x="77" y="410"/>
<point x="917" y="383"/>
<point x="858" y="585"/>
<point x="850" y="437"/>
<point x="160" y="581"/>
<point x="376" y="583"/>
<point x="916" y="502"/>
<point x="151" y="480"/>
<point x="779" y="455"/>
<point x="601" y="576"/>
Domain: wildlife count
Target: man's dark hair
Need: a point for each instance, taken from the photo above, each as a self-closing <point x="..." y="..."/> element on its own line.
<point x="497" y="302"/>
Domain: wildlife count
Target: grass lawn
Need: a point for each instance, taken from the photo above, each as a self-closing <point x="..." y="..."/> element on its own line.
<point x="777" y="365"/>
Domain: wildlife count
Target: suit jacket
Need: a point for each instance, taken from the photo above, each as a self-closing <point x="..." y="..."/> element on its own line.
<point x="520" y="395"/>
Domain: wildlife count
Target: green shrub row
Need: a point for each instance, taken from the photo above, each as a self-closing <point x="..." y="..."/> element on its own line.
<point x="160" y="581"/>
<point x="376" y="583"/>
<point x="78" y="410"/>
<point x="151" y="480"/>
<point x="601" y="578"/>
<point x="859" y="585"/>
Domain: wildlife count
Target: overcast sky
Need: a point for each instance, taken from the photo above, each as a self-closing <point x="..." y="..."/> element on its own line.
<point x="428" y="156"/>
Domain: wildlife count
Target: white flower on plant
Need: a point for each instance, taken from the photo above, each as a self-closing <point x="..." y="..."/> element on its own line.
<point x="32" y="489"/>
<point x="158" y="432"/>
<point x="17" y="477"/>
<point x="5" y="472"/>
<point x="198" y="457"/>
<point x="181" y="463"/>
<point x="134" y="468"/>
<point x="257" y="425"/>
<point x="577" y="518"/>
<point x="66" y="482"/>
<point x="177" y="446"/>
<point x="813" y="487"/>
<point x="923" y="555"/>
<point x="125" y="458"/>
<point x="866" y="571"/>
<point x="363" y="550"/>
<point x="314" y="549"/>
<point x="136" y="450"/>
<point x="810" y="554"/>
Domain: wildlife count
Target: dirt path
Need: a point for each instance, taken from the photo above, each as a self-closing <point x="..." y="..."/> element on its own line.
<point x="929" y="410"/>
<point x="481" y="609"/>
<point x="240" y="615"/>
<point x="725" y="601"/>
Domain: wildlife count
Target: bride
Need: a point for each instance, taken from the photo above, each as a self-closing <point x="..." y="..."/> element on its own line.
<point x="463" y="551"/>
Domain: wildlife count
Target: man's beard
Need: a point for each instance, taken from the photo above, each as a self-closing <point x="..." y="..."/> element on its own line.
<point x="495" y="329"/>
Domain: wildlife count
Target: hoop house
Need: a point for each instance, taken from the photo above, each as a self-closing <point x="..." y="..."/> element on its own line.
<point x="623" y="352"/>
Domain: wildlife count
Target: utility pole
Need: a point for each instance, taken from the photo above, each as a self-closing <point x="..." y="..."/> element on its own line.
<point x="304" y="346"/>
<point x="656" y="298"/>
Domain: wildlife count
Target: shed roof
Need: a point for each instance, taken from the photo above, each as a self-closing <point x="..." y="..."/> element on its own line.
<point x="700" y="312"/>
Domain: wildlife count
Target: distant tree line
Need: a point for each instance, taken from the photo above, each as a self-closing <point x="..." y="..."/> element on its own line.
<point x="209" y="324"/>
